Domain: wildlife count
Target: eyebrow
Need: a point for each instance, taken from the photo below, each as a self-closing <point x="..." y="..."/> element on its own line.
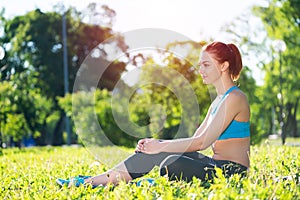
<point x="203" y="62"/>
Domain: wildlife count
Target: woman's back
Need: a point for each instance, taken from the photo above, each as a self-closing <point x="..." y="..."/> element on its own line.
<point x="234" y="143"/>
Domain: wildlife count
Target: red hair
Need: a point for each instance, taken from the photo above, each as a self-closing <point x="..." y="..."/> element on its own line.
<point x="226" y="52"/>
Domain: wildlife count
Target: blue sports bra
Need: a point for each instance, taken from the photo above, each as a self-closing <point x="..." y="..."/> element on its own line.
<point x="235" y="129"/>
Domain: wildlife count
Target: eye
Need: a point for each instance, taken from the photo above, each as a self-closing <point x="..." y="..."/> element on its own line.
<point x="205" y="65"/>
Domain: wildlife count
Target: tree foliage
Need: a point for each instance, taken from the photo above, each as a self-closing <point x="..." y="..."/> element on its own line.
<point x="34" y="62"/>
<point x="282" y="22"/>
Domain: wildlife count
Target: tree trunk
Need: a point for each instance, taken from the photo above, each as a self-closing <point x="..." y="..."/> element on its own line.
<point x="40" y="141"/>
<point x="283" y="125"/>
<point x="57" y="138"/>
<point x="290" y="125"/>
<point x="295" y="127"/>
<point x="1" y="142"/>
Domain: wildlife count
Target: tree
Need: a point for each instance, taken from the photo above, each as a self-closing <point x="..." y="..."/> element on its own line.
<point x="19" y="105"/>
<point x="284" y="25"/>
<point x="33" y="44"/>
<point x="94" y="122"/>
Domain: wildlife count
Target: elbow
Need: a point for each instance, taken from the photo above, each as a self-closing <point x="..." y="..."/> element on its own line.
<point x="198" y="145"/>
<point x="204" y="146"/>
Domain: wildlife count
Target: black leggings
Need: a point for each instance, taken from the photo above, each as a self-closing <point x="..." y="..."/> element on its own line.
<point x="181" y="166"/>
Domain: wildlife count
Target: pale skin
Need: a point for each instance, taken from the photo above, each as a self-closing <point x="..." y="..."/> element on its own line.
<point x="208" y="132"/>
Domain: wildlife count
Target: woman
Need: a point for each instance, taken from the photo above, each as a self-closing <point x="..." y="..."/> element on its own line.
<point x="226" y="128"/>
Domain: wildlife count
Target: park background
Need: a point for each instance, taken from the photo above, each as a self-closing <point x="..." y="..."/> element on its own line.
<point x="39" y="106"/>
<point x="35" y="100"/>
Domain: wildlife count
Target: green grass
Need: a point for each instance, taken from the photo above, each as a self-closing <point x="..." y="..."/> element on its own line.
<point x="31" y="173"/>
<point x="289" y="141"/>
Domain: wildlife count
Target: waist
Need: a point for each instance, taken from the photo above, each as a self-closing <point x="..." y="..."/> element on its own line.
<point x="236" y="150"/>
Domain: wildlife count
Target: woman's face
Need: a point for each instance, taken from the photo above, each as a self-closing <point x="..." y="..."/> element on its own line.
<point x="209" y="68"/>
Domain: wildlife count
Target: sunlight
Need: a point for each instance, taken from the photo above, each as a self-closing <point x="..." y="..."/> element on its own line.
<point x="197" y="20"/>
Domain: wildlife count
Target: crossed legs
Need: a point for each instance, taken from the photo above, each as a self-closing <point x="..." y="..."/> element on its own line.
<point x="175" y="165"/>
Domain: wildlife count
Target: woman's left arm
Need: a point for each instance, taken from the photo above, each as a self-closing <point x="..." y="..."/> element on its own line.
<point x="153" y="146"/>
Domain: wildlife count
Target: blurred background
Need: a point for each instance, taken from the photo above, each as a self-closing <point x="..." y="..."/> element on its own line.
<point x="44" y="43"/>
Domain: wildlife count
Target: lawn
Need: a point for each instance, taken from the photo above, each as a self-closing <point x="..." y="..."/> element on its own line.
<point x="31" y="173"/>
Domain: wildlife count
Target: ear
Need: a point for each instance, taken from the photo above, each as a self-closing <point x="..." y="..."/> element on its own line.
<point x="224" y="66"/>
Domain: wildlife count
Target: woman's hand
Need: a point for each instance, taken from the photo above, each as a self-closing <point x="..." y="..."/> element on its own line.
<point x="149" y="146"/>
<point x="140" y="144"/>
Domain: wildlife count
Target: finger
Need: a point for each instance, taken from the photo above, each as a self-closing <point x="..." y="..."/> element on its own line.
<point x="142" y="141"/>
<point x="138" y="148"/>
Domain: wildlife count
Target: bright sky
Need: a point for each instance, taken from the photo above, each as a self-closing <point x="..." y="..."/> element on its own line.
<point x="195" y="19"/>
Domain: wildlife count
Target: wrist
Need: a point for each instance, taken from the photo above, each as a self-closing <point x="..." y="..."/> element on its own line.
<point x="162" y="144"/>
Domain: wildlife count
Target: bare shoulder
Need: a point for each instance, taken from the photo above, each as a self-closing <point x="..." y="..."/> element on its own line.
<point x="238" y="101"/>
<point x="238" y="96"/>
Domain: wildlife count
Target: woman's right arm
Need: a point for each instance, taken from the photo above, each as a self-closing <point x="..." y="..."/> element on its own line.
<point x="203" y="124"/>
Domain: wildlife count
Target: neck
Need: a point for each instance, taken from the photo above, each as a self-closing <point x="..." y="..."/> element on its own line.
<point x="223" y="86"/>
